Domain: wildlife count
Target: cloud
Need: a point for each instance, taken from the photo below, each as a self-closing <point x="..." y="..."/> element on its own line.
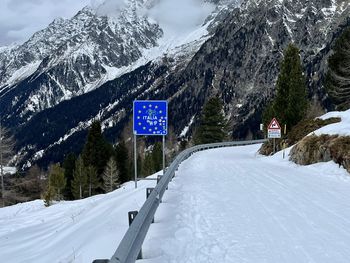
<point x="108" y="7"/>
<point x="19" y="19"/>
<point x="180" y="16"/>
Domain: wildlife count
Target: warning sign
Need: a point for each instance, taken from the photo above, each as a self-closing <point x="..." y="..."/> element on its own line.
<point x="274" y="129"/>
<point x="274" y="125"/>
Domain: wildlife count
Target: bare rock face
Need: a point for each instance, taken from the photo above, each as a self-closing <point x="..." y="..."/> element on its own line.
<point x="313" y="149"/>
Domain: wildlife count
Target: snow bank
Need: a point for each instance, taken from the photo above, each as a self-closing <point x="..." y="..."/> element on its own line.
<point x="70" y="231"/>
<point x="341" y="128"/>
<point x="10" y="170"/>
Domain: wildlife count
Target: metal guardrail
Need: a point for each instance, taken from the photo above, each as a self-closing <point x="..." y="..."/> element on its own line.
<point x="130" y="247"/>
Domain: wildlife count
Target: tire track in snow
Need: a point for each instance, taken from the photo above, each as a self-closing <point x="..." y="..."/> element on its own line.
<point x="230" y="206"/>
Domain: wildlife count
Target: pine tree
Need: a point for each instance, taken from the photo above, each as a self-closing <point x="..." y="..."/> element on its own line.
<point x="96" y="150"/>
<point x="80" y="181"/>
<point x="110" y="176"/>
<point x="34" y="181"/>
<point x="123" y="162"/>
<point x="68" y="166"/>
<point x="338" y="75"/>
<point x="147" y="165"/>
<point x="268" y="115"/>
<point x="290" y="104"/>
<point x="212" y="126"/>
<point x="157" y="157"/>
<point x="139" y="165"/>
<point x="6" y="150"/>
<point x="57" y="181"/>
<point x="94" y="183"/>
<point x="48" y="196"/>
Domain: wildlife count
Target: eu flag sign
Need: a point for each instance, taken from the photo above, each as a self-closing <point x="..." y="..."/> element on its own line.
<point x="150" y="117"/>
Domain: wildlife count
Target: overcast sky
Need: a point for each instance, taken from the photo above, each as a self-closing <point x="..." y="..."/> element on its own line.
<point x="19" y="19"/>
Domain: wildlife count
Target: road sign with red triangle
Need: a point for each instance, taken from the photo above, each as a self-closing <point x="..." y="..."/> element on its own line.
<point x="274" y="129"/>
<point x="274" y="125"/>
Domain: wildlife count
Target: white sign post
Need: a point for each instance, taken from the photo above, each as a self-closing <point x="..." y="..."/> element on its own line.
<point x="273" y="132"/>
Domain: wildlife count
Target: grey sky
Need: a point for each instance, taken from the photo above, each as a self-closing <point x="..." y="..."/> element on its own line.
<point x="179" y="16"/>
<point x="19" y="19"/>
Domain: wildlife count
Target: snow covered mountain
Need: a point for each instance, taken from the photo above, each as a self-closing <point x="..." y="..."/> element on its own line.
<point x="241" y="61"/>
<point x="144" y="52"/>
<point x="74" y="56"/>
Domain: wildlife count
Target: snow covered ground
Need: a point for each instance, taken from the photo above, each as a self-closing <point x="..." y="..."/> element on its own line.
<point x="341" y="128"/>
<point x="78" y="231"/>
<point x="232" y="205"/>
<point x="224" y="205"/>
<point x="10" y="170"/>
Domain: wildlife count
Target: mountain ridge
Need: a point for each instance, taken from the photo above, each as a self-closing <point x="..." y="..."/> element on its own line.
<point x="238" y="61"/>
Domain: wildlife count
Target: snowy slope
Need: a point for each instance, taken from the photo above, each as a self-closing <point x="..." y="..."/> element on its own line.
<point x="78" y="231"/>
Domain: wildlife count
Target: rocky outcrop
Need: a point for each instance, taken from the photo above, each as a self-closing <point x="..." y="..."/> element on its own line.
<point x="313" y="149"/>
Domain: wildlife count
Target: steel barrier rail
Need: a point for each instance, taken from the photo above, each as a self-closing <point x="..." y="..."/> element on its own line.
<point x="131" y="244"/>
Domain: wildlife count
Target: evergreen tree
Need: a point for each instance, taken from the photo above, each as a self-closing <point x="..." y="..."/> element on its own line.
<point x="57" y="181"/>
<point x="139" y="165"/>
<point x="212" y="126"/>
<point x="6" y="151"/>
<point x="290" y="104"/>
<point x="157" y="157"/>
<point x="80" y="181"/>
<point x="147" y="165"/>
<point x="48" y="196"/>
<point x="68" y="166"/>
<point x="94" y="183"/>
<point x="338" y="75"/>
<point x="110" y="176"/>
<point x="123" y="162"/>
<point x="268" y="115"/>
<point x="96" y="151"/>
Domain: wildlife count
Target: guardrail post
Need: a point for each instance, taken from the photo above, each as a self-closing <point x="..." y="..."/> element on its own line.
<point x="148" y="192"/>
<point x="131" y="216"/>
<point x="158" y="179"/>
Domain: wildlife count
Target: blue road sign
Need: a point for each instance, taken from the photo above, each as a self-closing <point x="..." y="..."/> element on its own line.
<point x="150" y="117"/>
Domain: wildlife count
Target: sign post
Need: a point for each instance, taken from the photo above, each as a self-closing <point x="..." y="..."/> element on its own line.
<point x="135" y="159"/>
<point x="150" y="119"/>
<point x="273" y="132"/>
<point x="163" y="154"/>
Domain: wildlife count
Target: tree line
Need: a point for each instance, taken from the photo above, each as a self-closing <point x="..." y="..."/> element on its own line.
<point x="102" y="167"/>
<point x="99" y="168"/>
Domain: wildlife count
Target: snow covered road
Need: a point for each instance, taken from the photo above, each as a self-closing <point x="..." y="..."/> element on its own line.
<point x="232" y="205"/>
<point x="224" y="205"/>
